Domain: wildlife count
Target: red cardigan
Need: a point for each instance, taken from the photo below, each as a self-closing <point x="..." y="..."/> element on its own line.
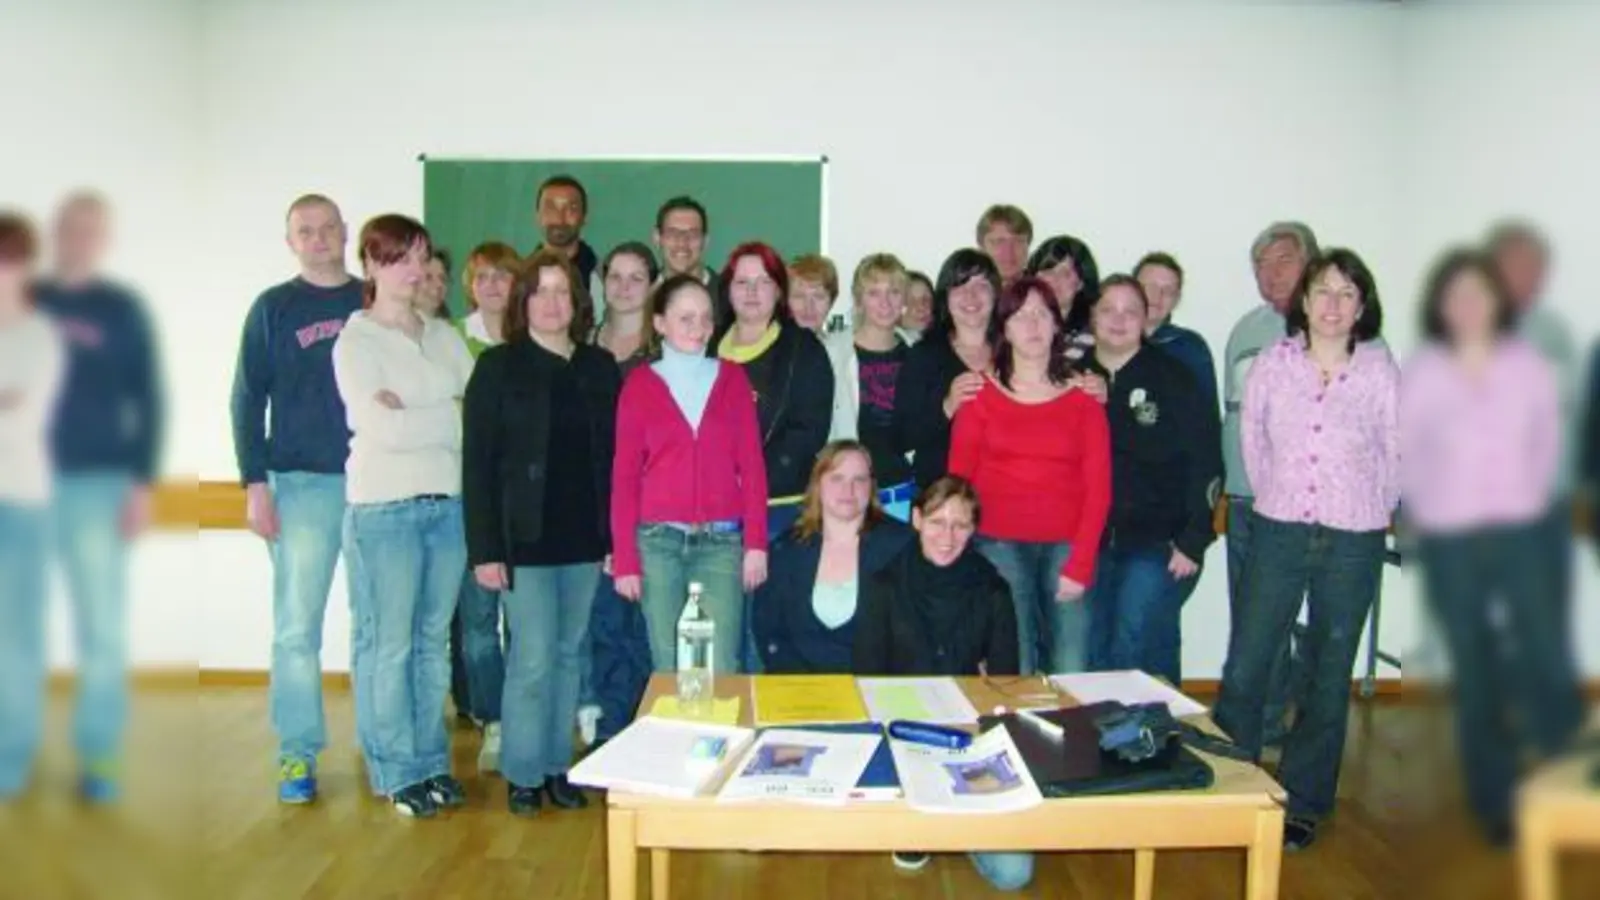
<point x="1042" y="470"/>
<point x="667" y="472"/>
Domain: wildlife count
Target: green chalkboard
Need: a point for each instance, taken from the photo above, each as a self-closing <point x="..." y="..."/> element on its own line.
<point x="466" y="202"/>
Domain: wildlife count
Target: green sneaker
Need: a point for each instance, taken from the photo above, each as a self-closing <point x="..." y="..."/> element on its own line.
<point x="297" y="781"/>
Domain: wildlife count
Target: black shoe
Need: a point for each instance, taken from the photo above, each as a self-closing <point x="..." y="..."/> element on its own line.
<point x="524" y="801"/>
<point x="446" y="792"/>
<point x="414" y="801"/>
<point x="563" y="794"/>
<point x="1299" y="833"/>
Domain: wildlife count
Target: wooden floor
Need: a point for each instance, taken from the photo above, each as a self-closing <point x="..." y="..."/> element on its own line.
<point x="201" y="820"/>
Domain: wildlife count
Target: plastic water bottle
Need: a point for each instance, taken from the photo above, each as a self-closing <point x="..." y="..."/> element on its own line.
<point x="696" y="646"/>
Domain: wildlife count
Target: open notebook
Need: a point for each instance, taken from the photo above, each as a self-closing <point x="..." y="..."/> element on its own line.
<point x="662" y="757"/>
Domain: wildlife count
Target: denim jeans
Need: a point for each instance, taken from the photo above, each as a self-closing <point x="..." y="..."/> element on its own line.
<point x="547" y="613"/>
<point x="1135" y="611"/>
<point x="1338" y="572"/>
<point x="310" y="529"/>
<point x="459" y="697"/>
<point x="1287" y="677"/>
<point x="1516" y="686"/>
<point x="87" y="519"/>
<point x="24" y="564"/>
<point x="1004" y="871"/>
<point x="619" y="657"/>
<point x="1053" y="636"/>
<point x="404" y="561"/>
<point x="482" y="649"/>
<point x="671" y="558"/>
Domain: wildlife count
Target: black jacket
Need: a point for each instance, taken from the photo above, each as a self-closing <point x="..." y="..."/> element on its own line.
<point x="919" y="420"/>
<point x="506" y="438"/>
<point x="791" y="637"/>
<point x="1166" y="455"/>
<point x="916" y="619"/>
<point x="793" y="382"/>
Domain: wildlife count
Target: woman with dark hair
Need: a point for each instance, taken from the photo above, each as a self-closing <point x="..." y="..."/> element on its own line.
<point x="939" y="608"/>
<point x="540" y="417"/>
<point x="402" y="378"/>
<point x="1480" y="441"/>
<point x="804" y="615"/>
<point x="1166" y="466"/>
<point x="32" y="365"/>
<point x="1067" y="265"/>
<point x="945" y="369"/>
<point x="1321" y="441"/>
<point x="1039" y="454"/>
<point x="624" y="330"/>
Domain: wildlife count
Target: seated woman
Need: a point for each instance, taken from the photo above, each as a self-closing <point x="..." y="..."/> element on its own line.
<point x="804" y="615"/>
<point x="940" y="608"/>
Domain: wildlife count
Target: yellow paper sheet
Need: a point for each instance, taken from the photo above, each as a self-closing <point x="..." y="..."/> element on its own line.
<point x="807" y="700"/>
<point x="724" y="711"/>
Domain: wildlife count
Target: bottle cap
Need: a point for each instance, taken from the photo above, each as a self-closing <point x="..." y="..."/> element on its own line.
<point x="695" y="588"/>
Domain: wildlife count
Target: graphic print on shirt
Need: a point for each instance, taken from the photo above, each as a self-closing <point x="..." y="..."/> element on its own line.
<point x="317" y="332"/>
<point x="1145" y="410"/>
<point x="877" y="382"/>
<point x="82" y="332"/>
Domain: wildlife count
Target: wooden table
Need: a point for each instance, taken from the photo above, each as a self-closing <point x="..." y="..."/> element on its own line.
<point x="1558" y="810"/>
<point x="1243" y="809"/>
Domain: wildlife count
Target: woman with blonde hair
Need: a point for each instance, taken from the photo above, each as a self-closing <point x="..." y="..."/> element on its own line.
<point x="804" y="615"/>
<point x="486" y="282"/>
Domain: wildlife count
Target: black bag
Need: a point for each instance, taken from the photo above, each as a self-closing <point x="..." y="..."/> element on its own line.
<point x="1075" y="764"/>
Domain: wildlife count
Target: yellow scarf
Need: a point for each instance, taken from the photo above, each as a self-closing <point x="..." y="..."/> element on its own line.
<point x="743" y="354"/>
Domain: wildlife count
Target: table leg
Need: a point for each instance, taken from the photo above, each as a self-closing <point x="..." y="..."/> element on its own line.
<point x="622" y="855"/>
<point x="1536" y="861"/>
<point x="660" y="874"/>
<point x="1144" y="874"/>
<point x="1265" y="856"/>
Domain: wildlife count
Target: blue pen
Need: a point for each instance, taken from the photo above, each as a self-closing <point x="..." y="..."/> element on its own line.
<point x="932" y="735"/>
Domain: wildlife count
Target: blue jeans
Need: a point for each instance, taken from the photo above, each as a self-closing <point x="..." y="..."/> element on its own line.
<point x="310" y="528"/>
<point x="482" y="651"/>
<point x="404" y="560"/>
<point x="24" y="562"/>
<point x="1338" y="572"/>
<point x="671" y="558"/>
<point x="619" y="657"/>
<point x="1052" y="635"/>
<point x="1286" y="684"/>
<point x="547" y="613"/>
<point x="1004" y="871"/>
<point x="87" y="518"/>
<point x="1135" y="609"/>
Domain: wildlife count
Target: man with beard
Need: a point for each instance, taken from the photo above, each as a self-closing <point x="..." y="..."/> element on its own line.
<point x="562" y="206"/>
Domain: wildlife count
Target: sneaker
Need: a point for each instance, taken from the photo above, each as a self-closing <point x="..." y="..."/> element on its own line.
<point x="99" y="784"/>
<point x="489" y="755"/>
<point x="563" y="794"/>
<point x="588" y="724"/>
<point x="414" y="801"/>
<point x="1298" y="833"/>
<point x="297" y="781"/>
<point x="446" y="792"/>
<point x="524" y="801"/>
<point x="910" y="862"/>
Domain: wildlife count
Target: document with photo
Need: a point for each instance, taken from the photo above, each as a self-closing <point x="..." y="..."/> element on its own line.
<point x="989" y="776"/>
<point x="801" y="765"/>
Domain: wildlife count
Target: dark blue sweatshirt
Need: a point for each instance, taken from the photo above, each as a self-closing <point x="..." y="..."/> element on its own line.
<point x="1189" y="348"/>
<point x="286" y="365"/>
<point x="110" y="415"/>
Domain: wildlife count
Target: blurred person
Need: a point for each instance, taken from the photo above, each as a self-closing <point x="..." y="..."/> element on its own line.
<point x="1279" y="255"/>
<point x="918" y="314"/>
<point x="539" y="435"/>
<point x="402" y="378"/>
<point x="1038" y="451"/>
<point x="1162" y="279"/>
<point x="106" y="440"/>
<point x="1166" y="469"/>
<point x="1481" y="440"/>
<point x="32" y="367"/>
<point x="813" y="288"/>
<point x="562" y="207"/>
<point x="436" y="288"/>
<point x="1319" y="430"/>
<point x="867" y="360"/>
<point x="291" y="444"/>
<point x="1005" y="233"/>
<point x="682" y="233"/>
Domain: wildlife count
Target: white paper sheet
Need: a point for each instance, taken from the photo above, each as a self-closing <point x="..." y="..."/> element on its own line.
<point x="989" y="776"/>
<point x="936" y="700"/>
<point x="802" y="766"/>
<point x="1126" y="687"/>
<point x="662" y="757"/>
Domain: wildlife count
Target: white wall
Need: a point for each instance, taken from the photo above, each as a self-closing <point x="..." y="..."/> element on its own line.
<point x="1184" y="126"/>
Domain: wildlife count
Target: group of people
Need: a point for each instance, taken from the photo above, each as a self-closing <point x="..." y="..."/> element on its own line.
<point x="1009" y="468"/>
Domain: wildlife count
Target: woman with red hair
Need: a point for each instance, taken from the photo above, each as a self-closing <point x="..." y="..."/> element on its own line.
<point x="790" y="374"/>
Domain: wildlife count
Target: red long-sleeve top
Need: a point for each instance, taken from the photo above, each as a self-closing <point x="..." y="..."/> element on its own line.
<point x="1042" y="470"/>
<point x="665" y="471"/>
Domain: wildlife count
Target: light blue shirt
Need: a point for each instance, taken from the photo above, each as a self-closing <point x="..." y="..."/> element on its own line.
<point x="834" y="604"/>
<point x="689" y="377"/>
